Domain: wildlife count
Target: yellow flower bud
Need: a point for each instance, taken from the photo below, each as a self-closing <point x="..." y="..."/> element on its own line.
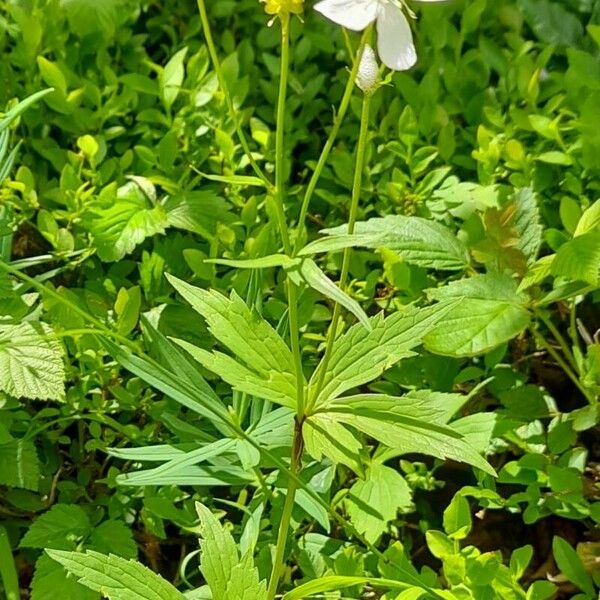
<point x="283" y="7"/>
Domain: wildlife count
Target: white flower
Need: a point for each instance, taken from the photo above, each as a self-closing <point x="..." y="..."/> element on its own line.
<point x="394" y="37"/>
<point x="367" y="78"/>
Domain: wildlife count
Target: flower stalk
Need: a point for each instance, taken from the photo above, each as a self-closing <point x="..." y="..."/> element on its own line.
<point x="356" y="192"/>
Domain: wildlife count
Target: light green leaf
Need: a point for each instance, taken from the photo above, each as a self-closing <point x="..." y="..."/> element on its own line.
<point x="273" y="386"/>
<point x="264" y="262"/>
<point x="31" y="363"/>
<point x="527" y="223"/>
<point x="263" y="357"/>
<point x="49" y="577"/>
<point x="418" y="241"/>
<point x="171" y="78"/>
<point x="242" y="180"/>
<point x="21" y="107"/>
<point x="520" y="560"/>
<point x="317" y="280"/>
<point x="178" y="466"/>
<point x="325" y="436"/>
<point x="20" y="465"/>
<point x="407" y="434"/>
<point x="579" y="259"/>
<point x="537" y="272"/>
<point x="219" y="554"/>
<point x="457" y="518"/>
<point x="571" y="565"/>
<point x="114" y="537"/>
<point x="374" y="501"/>
<point x="477" y="429"/>
<point x="490" y="312"/>
<point x="62" y="527"/>
<point x="175" y="383"/>
<point x="360" y="355"/>
<point x="331" y="583"/>
<point x="244" y="583"/>
<point x="228" y="577"/>
<point x="90" y="16"/>
<point x="589" y="221"/>
<point x="200" y="212"/>
<point x="122" y="220"/>
<point x="115" y="577"/>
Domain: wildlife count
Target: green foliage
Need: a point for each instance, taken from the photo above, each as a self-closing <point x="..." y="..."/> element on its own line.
<point x="114" y="577"/>
<point x="31" y="362"/>
<point x="408" y="376"/>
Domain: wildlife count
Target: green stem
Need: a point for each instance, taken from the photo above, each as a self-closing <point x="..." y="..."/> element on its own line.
<point x="233" y="113"/>
<point x="8" y="571"/>
<point x="288" y="507"/>
<point x="559" y="338"/>
<point x="563" y="365"/>
<point x="292" y="293"/>
<point x="356" y="191"/>
<point x="337" y="124"/>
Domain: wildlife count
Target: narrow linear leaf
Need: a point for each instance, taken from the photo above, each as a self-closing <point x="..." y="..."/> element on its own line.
<point x="316" y="279"/>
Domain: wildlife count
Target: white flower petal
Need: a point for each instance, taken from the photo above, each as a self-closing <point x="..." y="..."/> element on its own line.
<point x="394" y="39"/>
<point x="351" y="14"/>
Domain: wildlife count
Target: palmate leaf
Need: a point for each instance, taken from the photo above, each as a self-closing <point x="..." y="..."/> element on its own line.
<point x="264" y="365"/>
<point x="418" y="241"/>
<point x="360" y="355"/>
<point x="228" y="577"/>
<point x="114" y="577"/>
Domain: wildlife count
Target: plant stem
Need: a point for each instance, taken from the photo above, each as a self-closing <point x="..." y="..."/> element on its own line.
<point x="280" y="132"/>
<point x="8" y="571"/>
<point x="337" y="123"/>
<point x="356" y="191"/>
<point x="563" y="365"/>
<point x="559" y="338"/>
<point x="288" y="507"/>
<point x="233" y="114"/>
<point x="292" y="293"/>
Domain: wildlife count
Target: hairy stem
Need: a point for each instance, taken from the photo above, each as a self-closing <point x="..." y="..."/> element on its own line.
<point x="356" y="191"/>
<point x="233" y="113"/>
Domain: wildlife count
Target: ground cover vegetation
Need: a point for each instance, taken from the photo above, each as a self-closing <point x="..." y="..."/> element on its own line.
<point x="285" y="315"/>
